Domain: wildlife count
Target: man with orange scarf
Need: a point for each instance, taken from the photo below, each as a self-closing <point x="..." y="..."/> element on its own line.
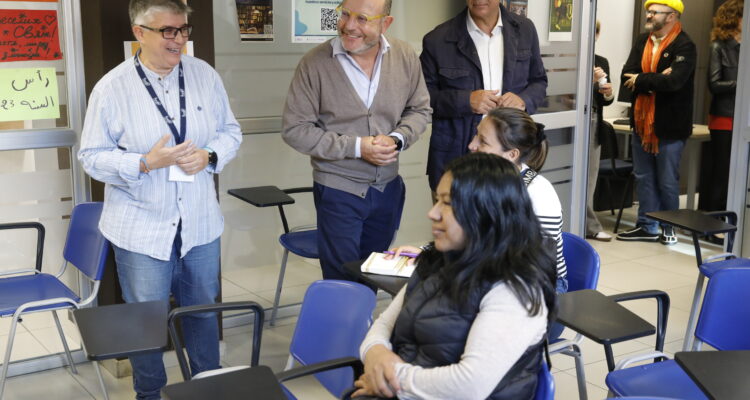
<point x="660" y="70"/>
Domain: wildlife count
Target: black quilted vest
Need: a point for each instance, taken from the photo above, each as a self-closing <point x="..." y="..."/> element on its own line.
<point x="431" y="331"/>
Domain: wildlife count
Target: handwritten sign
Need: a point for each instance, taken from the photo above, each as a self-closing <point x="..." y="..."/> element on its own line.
<point x="28" y="93"/>
<point x="29" y="35"/>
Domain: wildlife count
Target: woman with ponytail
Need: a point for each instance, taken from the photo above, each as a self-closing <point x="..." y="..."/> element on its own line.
<point x="513" y="135"/>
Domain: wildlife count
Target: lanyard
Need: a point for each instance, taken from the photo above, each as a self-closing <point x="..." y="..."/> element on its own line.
<point x="178" y="137"/>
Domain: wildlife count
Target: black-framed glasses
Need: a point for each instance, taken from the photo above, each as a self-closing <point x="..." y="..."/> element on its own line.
<point x="170" y="32"/>
<point x="652" y="13"/>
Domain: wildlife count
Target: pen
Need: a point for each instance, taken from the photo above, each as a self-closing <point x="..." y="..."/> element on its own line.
<point x="405" y="254"/>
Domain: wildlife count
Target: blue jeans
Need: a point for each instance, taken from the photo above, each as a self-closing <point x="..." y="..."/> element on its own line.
<point x="556" y="329"/>
<point x="192" y="279"/>
<point x="351" y="227"/>
<point x="657" y="179"/>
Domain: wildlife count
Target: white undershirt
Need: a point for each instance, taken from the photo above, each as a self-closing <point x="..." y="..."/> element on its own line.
<point x="490" y="50"/>
<point x="500" y="334"/>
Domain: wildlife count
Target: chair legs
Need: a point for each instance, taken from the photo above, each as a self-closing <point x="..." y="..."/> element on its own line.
<point x="628" y="187"/>
<point x="575" y="352"/>
<point x="101" y="380"/>
<point x="687" y="344"/>
<point x="64" y="343"/>
<point x="279" y="285"/>
<point x="8" y="349"/>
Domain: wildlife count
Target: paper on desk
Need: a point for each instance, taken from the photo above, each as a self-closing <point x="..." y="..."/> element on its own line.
<point x="378" y="264"/>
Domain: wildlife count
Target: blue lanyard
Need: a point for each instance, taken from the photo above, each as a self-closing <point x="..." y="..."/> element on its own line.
<point x="178" y="137"/>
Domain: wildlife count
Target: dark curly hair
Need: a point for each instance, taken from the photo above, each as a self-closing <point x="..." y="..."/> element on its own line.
<point x="727" y="20"/>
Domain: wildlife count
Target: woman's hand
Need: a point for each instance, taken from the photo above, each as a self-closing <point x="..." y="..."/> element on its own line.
<point x="380" y="377"/>
<point x="404" y="249"/>
<point x="363" y="389"/>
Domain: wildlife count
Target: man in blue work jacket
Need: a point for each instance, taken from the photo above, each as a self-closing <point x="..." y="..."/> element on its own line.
<point x="485" y="57"/>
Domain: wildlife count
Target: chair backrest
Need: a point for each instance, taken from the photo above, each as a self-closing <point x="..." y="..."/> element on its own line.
<point x="334" y="319"/>
<point x="582" y="261"/>
<point x="724" y="321"/>
<point x="545" y="387"/>
<point x="85" y="247"/>
<point x="609" y="146"/>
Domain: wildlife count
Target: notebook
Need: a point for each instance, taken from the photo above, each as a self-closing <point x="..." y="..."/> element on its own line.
<point x="398" y="266"/>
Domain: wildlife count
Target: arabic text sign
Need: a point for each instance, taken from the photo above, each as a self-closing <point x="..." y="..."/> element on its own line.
<point x="29" y="35"/>
<point x="28" y="93"/>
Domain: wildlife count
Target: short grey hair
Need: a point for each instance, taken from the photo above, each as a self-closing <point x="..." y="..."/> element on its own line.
<point x="387" y="7"/>
<point x="141" y="10"/>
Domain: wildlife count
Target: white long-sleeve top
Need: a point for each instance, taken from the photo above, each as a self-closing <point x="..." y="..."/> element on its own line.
<point x="500" y="334"/>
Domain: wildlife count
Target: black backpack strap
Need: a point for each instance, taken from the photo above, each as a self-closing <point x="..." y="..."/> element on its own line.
<point x="528" y="175"/>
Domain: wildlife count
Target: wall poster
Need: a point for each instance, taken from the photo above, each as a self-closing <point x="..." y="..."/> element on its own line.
<point x="255" y="20"/>
<point x="520" y="7"/>
<point x="29" y="35"/>
<point x="315" y="21"/>
<point x="561" y="21"/>
<point x="28" y="94"/>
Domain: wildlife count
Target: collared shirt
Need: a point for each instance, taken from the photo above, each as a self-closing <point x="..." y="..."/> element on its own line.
<point x="657" y="42"/>
<point x="490" y="50"/>
<point x="142" y="211"/>
<point x="365" y="86"/>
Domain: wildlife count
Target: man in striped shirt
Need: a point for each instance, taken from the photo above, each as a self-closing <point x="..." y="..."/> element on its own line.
<point x="157" y="129"/>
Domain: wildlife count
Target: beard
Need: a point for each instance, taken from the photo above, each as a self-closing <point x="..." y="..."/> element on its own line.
<point x="368" y="42"/>
<point x="654" y="25"/>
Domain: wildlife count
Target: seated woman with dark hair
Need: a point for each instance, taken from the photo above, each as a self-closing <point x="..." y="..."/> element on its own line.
<point x="471" y="322"/>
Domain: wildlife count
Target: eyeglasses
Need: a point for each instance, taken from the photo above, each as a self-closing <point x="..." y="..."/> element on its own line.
<point x="362" y="19"/>
<point x="170" y="32"/>
<point x="652" y="13"/>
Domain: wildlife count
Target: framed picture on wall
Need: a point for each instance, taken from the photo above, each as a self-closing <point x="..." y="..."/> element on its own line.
<point x="561" y="21"/>
<point x="315" y="21"/>
<point x="520" y="7"/>
<point x="255" y="20"/>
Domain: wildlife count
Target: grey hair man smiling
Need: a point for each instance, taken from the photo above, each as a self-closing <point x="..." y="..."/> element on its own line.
<point x="158" y="127"/>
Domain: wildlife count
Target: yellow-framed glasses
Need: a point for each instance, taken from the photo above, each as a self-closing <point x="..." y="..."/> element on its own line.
<point x="362" y="19"/>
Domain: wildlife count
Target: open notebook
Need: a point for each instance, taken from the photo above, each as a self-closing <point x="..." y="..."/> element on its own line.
<point x="398" y="266"/>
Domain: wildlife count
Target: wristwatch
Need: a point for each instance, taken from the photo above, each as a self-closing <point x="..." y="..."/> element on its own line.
<point x="212" y="157"/>
<point x="398" y="142"/>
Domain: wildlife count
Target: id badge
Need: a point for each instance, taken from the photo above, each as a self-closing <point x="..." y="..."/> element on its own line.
<point x="176" y="174"/>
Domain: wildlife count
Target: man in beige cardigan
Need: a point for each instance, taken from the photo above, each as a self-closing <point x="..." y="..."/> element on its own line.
<point x="355" y="102"/>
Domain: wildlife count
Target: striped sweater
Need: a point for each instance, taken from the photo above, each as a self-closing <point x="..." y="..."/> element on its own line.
<point x="549" y="212"/>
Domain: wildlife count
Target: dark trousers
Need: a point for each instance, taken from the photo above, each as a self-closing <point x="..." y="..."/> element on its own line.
<point x="715" y="172"/>
<point x="351" y="227"/>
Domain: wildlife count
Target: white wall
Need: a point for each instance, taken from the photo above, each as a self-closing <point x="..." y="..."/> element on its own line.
<point x="616" y="17"/>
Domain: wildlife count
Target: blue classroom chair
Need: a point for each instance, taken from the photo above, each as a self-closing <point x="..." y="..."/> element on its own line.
<point x="30" y="290"/>
<point x="724" y="323"/>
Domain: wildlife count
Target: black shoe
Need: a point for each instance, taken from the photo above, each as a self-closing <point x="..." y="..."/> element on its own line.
<point x="638" y="234"/>
<point x="668" y="238"/>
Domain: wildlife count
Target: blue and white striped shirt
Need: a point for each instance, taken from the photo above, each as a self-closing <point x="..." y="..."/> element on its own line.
<point x="142" y="211"/>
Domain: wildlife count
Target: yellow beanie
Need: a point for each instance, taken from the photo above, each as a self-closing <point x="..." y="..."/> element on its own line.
<point x="675" y="4"/>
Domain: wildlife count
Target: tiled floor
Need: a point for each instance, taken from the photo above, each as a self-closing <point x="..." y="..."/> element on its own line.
<point x="625" y="267"/>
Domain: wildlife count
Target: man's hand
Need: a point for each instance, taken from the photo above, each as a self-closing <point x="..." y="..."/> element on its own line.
<point x="160" y="156"/>
<point x="482" y="101"/>
<point x="630" y="83"/>
<point x="667" y="71"/>
<point x="194" y="163"/>
<point x="606" y="89"/>
<point x="379" y="150"/>
<point x="599" y="74"/>
<point x="379" y="378"/>
<point x="512" y="100"/>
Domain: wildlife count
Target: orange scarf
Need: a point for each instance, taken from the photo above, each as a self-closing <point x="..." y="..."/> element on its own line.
<point x="645" y="103"/>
